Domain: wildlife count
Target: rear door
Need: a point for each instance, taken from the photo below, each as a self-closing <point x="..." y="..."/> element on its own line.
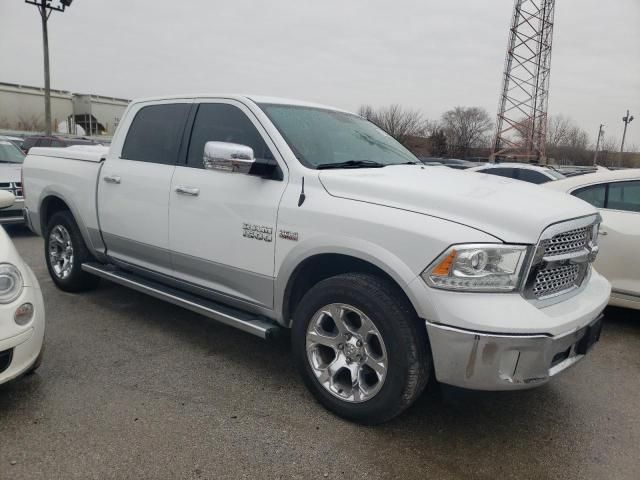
<point x="133" y="186"/>
<point x="213" y="228"/>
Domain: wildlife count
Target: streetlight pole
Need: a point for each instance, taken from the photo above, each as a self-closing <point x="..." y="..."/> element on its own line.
<point x="627" y="120"/>
<point x="45" y="7"/>
<point x="595" y="154"/>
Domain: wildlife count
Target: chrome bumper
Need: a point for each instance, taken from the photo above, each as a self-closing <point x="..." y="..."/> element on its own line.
<point x="486" y="361"/>
<point x="13" y="214"/>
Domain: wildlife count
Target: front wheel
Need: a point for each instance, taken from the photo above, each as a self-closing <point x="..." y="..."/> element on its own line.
<point x="65" y="252"/>
<point x="360" y="347"/>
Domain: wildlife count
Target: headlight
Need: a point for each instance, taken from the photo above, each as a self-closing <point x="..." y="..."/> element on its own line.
<point x="11" y="283"/>
<point x="481" y="267"/>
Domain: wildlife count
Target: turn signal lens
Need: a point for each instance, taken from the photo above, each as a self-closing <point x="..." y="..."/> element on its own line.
<point x="443" y="268"/>
<point x="24" y="314"/>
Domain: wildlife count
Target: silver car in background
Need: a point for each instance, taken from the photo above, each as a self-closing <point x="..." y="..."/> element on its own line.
<point x="11" y="158"/>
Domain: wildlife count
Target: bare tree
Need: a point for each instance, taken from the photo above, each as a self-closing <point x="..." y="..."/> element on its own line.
<point x="567" y="143"/>
<point x="466" y="128"/>
<point x="398" y="122"/>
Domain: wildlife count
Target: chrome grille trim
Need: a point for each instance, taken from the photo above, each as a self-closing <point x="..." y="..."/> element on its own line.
<point x="550" y="281"/>
<point x="572" y="241"/>
<point x="562" y="259"/>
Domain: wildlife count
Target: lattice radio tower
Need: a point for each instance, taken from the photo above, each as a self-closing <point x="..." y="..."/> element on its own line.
<point x="522" y="112"/>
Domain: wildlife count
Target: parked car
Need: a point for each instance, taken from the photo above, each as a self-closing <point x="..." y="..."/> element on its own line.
<point x="269" y="214"/>
<point x="520" y="171"/>
<point x="616" y="194"/>
<point x="11" y="158"/>
<point x="58" y="142"/>
<point x="448" y="162"/>
<point x="17" y="141"/>
<point x="21" y="310"/>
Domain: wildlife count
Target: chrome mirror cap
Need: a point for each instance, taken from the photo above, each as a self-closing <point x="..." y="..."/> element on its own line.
<point x="228" y="157"/>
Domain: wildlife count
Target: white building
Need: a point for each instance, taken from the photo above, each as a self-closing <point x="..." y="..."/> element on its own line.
<point x="22" y="108"/>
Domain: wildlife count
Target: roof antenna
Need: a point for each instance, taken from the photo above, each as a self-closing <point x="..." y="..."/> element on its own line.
<point x="302" y="195"/>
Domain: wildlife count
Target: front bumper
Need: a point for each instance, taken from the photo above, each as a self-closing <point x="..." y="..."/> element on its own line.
<point x="13" y="214"/>
<point x="503" y="342"/>
<point x="483" y="361"/>
<point x="21" y="345"/>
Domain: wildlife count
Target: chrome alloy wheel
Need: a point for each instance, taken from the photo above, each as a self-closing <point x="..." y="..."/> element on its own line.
<point x="60" y="252"/>
<point x="346" y="352"/>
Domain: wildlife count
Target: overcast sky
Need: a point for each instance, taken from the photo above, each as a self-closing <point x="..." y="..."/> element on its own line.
<point x="425" y="54"/>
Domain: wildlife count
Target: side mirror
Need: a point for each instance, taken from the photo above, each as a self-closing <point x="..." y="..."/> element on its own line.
<point x="6" y="199"/>
<point x="228" y="157"/>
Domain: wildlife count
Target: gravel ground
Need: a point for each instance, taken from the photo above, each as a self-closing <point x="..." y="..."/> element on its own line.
<point x="132" y="387"/>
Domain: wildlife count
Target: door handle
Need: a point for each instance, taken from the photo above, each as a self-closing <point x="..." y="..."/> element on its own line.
<point x="191" y="191"/>
<point x="603" y="232"/>
<point x="111" y="179"/>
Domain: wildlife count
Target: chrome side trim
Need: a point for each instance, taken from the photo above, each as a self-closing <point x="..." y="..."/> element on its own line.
<point x="235" y="318"/>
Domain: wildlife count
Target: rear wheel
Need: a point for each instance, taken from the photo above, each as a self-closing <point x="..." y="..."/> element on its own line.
<point x="360" y="347"/>
<point x="65" y="252"/>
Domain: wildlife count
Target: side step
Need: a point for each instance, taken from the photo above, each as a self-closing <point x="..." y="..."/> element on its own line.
<point x="257" y="325"/>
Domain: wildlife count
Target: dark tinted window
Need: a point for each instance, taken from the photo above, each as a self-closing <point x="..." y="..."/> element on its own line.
<point x="29" y="142"/>
<point x="594" y="194"/>
<point x="624" y="196"/>
<point x="501" y="172"/>
<point x="532" y="176"/>
<point x="43" y="142"/>
<point x="155" y="133"/>
<point x="57" y="143"/>
<point x="219" y="122"/>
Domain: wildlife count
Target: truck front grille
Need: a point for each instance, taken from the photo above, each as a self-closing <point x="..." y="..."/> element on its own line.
<point x="562" y="259"/>
<point x="550" y="281"/>
<point x="568" y="242"/>
<point x="13" y="187"/>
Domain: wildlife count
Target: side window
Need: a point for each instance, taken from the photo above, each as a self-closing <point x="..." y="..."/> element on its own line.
<point x="624" y="196"/>
<point x="57" y="143"/>
<point x="220" y="122"/>
<point x="593" y="194"/>
<point x="155" y="133"/>
<point x="532" y="176"/>
<point x="501" y="172"/>
<point x="43" y="142"/>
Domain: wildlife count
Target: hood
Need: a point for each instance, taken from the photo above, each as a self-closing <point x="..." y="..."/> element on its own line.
<point x="10" y="172"/>
<point x="510" y="210"/>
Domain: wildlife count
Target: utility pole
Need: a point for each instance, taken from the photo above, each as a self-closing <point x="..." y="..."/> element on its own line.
<point x="595" y="154"/>
<point x="45" y="7"/>
<point x="627" y="120"/>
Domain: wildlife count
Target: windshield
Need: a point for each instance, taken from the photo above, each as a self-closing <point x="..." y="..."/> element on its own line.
<point x="324" y="138"/>
<point x="9" y="153"/>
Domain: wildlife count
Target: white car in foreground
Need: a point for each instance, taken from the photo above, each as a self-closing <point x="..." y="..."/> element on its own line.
<point x="21" y="310"/>
<point x="617" y="195"/>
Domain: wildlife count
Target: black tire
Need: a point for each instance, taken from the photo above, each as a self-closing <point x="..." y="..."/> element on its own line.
<point x="404" y="337"/>
<point x="77" y="280"/>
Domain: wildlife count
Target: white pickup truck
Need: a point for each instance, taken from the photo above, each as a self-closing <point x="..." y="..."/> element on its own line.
<point x="268" y="214"/>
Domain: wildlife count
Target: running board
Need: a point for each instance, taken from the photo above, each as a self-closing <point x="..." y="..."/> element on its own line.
<point x="247" y="322"/>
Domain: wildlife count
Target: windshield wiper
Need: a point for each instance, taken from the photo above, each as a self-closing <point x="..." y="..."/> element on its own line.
<point x="351" y="164"/>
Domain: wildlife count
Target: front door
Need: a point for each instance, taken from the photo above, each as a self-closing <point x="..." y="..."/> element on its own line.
<point x="223" y="225"/>
<point x="133" y="187"/>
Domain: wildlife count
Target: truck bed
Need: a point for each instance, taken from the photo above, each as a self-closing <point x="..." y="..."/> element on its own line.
<point x="72" y="173"/>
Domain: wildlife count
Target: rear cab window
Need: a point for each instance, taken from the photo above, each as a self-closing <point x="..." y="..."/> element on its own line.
<point x="155" y="133"/>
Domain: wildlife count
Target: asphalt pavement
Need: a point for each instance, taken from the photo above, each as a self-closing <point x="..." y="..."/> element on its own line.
<point x="132" y="387"/>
